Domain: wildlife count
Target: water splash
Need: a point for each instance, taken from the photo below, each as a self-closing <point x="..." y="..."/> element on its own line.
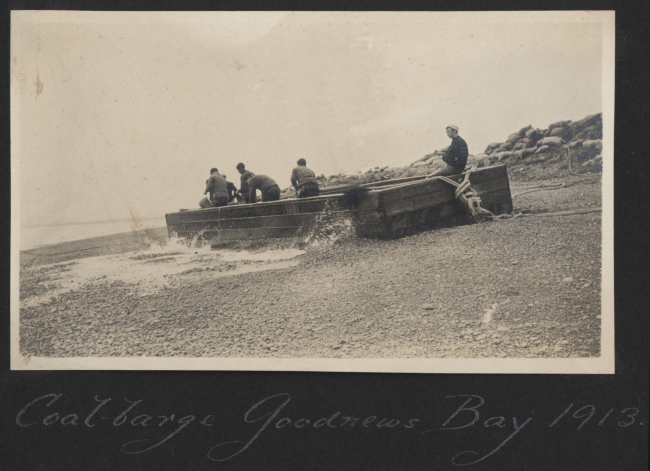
<point x="330" y="228"/>
<point x="150" y="270"/>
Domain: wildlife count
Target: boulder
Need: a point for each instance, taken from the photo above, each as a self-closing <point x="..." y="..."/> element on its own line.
<point x="551" y="141"/>
<point x="559" y="131"/>
<point x="504" y="155"/>
<point x="519" y="145"/>
<point x="593" y="127"/>
<point x="576" y="144"/>
<point x="584" y="123"/>
<point x="514" y="137"/>
<point x="506" y="146"/>
<point x="522" y="132"/>
<point x="592" y="143"/>
<point x="559" y="124"/>
<point x="599" y="162"/>
<point x="580" y="135"/>
<point x="528" y="151"/>
<point x="491" y="147"/>
<point x="596" y="134"/>
<point x="542" y="150"/>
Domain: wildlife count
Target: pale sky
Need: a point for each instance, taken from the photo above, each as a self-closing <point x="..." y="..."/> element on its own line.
<point x="118" y="115"/>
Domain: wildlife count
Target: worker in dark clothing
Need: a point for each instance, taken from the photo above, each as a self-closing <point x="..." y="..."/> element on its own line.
<point x="456" y="155"/>
<point x="232" y="189"/>
<point x="304" y="180"/>
<point x="216" y="186"/>
<point x="270" y="190"/>
<point x="243" y="187"/>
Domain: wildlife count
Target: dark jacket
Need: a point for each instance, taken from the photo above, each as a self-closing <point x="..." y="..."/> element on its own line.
<point x="217" y="186"/>
<point x="243" y="187"/>
<point x="259" y="182"/>
<point x="456" y="155"/>
<point x="302" y="175"/>
<point x="232" y="190"/>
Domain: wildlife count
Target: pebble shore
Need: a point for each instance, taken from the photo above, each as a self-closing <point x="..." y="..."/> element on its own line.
<point x="520" y="288"/>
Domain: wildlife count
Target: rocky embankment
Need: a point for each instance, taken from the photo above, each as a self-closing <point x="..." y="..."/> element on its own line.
<point x="530" y="147"/>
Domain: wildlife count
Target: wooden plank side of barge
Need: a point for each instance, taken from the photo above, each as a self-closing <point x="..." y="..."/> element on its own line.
<point x="497" y="201"/>
<point x="273" y="208"/>
<point x="288" y="220"/>
<point x="237" y="211"/>
<point x="413" y="199"/>
<point x="250" y="233"/>
<point x="423" y="216"/>
<point x="482" y="181"/>
<point x="265" y="221"/>
<point x="491" y="186"/>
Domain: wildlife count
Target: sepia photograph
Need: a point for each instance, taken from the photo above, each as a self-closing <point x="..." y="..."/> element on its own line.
<point x="422" y="192"/>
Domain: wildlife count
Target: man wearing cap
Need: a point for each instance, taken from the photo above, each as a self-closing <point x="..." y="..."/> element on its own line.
<point x="304" y="180"/>
<point x="217" y="187"/>
<point x="243" y="187"/>
<point x="270" y="190"/>
<point x="456" y="155"/>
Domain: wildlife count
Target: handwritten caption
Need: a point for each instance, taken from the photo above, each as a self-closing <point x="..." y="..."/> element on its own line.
<point x="271" y="413"/>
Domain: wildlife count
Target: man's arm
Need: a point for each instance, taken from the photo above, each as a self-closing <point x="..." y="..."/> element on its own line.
<point x="294" y="179"/>
<point x="451" y="156"/>
<point x="208" y="186"/>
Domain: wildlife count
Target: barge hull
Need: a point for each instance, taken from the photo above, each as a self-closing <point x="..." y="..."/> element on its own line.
<point x="382" y="210"/>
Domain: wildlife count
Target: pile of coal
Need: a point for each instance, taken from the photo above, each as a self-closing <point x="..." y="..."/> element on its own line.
<point x="582" y="140"/>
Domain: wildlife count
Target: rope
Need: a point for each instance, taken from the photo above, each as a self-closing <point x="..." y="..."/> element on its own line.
<point x="469" y="198"/>
<point x="562" y="213"/>
<point x="472" y="202"/>
<point x="561" y="185"/>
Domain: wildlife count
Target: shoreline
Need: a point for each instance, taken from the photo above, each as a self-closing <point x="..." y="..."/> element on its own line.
<point x="519" y="288"/>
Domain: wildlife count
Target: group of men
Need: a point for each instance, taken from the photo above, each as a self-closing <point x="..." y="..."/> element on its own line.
<point x="304" y="181"/>
<point x="223" y="192"/>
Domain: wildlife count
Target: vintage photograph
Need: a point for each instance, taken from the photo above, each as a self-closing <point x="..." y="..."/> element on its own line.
<point x="313" y="191"/>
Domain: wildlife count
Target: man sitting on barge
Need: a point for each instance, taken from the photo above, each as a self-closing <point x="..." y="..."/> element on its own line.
<point x="304" y="180"/>
<point x="270" y="190"/>
<point x="456" y="155"/>
<point x="216" y="186"/>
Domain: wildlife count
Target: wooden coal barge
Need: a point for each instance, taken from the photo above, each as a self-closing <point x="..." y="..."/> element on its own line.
<point x="380" y="209"/>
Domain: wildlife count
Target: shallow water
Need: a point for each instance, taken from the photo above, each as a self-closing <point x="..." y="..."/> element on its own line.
<point x="154" y="269"/>
<point x="37" y="236"/>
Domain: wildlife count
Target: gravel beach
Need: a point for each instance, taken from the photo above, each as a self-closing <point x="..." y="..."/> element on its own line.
<point x="525" y="287"/>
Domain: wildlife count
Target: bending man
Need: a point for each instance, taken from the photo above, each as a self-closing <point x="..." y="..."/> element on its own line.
<point x="270" y="190"/>
<point x="304" y="180"/>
